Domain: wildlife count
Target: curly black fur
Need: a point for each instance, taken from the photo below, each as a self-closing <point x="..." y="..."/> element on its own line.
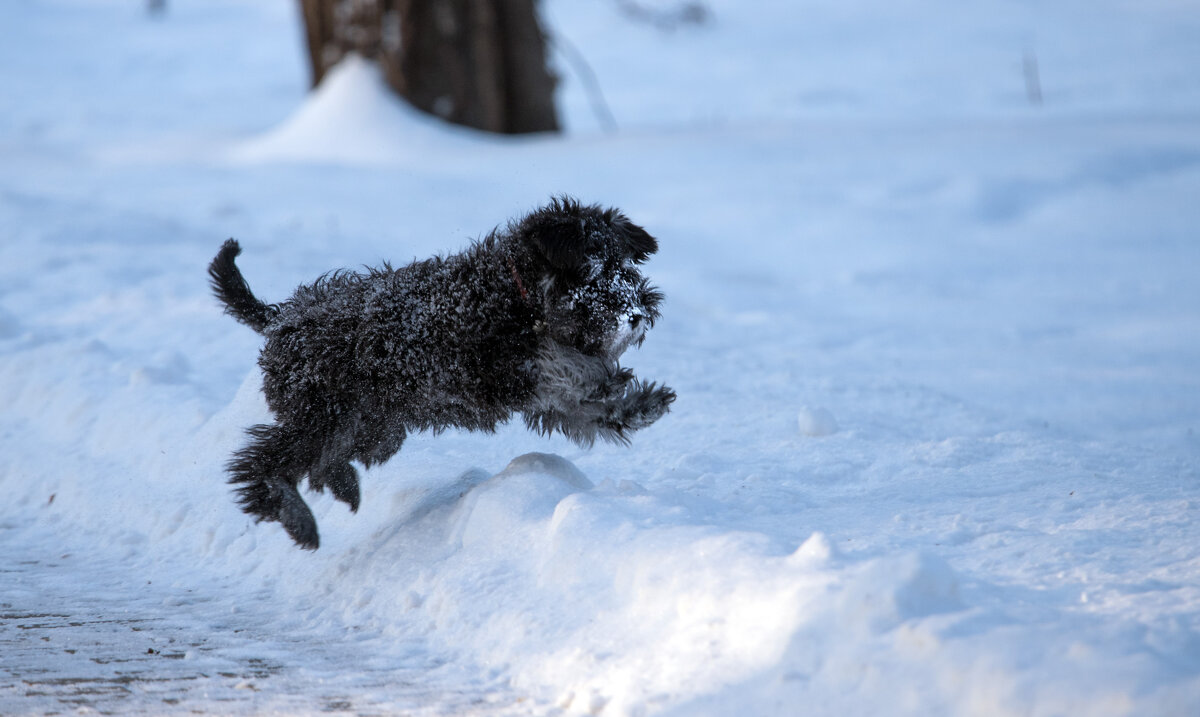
<point x="531" y="319"/>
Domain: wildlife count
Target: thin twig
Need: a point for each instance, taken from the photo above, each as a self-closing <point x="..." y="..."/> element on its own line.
<point x="1033" y="79"/>
<point x="591" y="85"/>
<point x="690" y="12"/>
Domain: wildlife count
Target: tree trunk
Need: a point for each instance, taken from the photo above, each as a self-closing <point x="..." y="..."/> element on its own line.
<point x="479" y="63"/>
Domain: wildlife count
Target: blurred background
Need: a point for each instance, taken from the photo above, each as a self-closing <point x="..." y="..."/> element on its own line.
<point x="650" y="63"/>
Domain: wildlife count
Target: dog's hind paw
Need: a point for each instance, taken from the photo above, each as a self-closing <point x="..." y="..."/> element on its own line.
<point x="345" y="489"/>
<point x="297" y="519"/>
<point x="342" y="480"/>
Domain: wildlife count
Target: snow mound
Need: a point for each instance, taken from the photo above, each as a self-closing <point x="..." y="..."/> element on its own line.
<point x="524" y="492"/>
<point x="351" y="118"/>
<point x="816" y="422"/>
<point x="913" y="586"/>
<point x="603" y="600"/>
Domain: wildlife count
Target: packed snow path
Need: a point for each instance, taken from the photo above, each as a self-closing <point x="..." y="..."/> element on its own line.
<point x="82" y="634"/>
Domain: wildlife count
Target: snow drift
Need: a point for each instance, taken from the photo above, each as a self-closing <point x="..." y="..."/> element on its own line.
<point x="351" y="118"/>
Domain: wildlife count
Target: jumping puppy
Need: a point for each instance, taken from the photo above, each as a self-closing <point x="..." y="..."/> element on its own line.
<point x="531" y="319"/>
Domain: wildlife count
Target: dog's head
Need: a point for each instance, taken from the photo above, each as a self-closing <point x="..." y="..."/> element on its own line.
<point x="594" y="297"/>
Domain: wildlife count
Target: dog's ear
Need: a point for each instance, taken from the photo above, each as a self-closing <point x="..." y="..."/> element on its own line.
<point x="638" y="241"/>
<point x="559" y="232"/>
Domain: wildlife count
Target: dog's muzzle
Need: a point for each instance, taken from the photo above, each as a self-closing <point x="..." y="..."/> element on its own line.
<point x="630" y="330"/>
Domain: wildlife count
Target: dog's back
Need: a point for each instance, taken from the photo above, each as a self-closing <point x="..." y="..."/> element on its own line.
<point x="442" y="341"/>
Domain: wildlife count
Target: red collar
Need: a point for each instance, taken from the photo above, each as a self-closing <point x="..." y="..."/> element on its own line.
<point x="517" y="278"/>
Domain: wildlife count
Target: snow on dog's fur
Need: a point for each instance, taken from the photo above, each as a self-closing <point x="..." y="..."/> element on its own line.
<point x="531" y="319"/>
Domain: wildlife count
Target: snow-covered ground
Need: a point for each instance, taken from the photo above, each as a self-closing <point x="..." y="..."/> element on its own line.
<point x="936" y="345"/>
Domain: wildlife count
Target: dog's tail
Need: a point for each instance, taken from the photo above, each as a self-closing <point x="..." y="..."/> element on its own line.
<point x="233" y="291"/>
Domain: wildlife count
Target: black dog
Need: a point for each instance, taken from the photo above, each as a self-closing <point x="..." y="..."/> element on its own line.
<point x="531" y="319"/>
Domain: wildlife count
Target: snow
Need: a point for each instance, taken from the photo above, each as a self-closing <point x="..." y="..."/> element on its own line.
<point x="350" y="119"/>
<point x="817" y="422"/>
<point x="935" y="348"/>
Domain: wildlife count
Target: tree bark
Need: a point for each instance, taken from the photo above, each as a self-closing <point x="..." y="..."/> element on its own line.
<point x="479" y="63"/>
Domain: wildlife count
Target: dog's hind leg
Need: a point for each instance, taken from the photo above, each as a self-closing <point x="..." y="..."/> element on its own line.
<point x="267" y="472"/>
<point x="374" y="441"/>
<point x="334" y="470"/>
<point x="382" y="441"/>
<point x="296" y="517"/>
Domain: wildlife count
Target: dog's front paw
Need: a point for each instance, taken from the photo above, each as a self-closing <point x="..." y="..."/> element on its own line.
<point x="615" y="385"/>
<point x="648" y="404"/>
